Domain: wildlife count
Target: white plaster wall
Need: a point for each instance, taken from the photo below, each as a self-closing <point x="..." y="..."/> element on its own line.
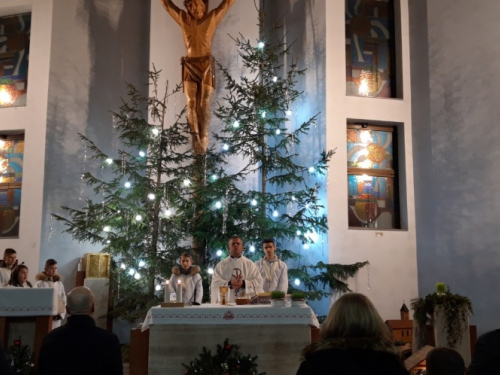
<point x="458" y="134"/>
<point x="391" y="277"/>
<point x="32" y="120"/>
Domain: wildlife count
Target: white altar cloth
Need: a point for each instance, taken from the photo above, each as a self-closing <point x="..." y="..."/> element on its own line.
<point x="209" y="314"/>
<point x="18" y="302"/>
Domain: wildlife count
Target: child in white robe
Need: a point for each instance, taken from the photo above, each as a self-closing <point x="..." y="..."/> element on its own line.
<point x="19" y="278"/>
<point x="190" y="280"/>
<point x="49" y="278"/>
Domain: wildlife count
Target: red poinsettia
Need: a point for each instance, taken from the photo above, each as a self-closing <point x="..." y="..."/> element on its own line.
<point x="17" y="343"/>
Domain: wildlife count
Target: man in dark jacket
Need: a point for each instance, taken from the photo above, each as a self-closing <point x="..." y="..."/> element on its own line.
<point x="79" y="347"/>
<point x="486" y="360"/>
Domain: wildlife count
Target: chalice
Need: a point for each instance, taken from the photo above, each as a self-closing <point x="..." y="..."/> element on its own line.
<point x="223" y="291"/>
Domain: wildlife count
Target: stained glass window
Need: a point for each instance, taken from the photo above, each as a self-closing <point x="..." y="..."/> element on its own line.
<point x="370" y="55"/>
<point x="14" y="56"/>
<point x="372" y="194"/>
<point x="11" y="178"/>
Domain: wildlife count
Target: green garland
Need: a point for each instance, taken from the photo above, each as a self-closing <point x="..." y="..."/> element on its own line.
<point x="228" y="360"/>
<point x="456" y="309"/>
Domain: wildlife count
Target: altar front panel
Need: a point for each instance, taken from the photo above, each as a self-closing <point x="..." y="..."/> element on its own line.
<point x="276" y="335"/>
<point x="278" y="347"/>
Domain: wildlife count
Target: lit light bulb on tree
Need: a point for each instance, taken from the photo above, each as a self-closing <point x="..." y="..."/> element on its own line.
<point x="218" y="204"/>
<point x="107" y="228"/>
<point x="299" y="233"/>
<point x="186" y="182"/>
<point x="151" y="196"/>
<point x="261" y="45"/>
<point x="236" y="124"/>
<point x="253" y="202"/>
<point x="296" y="282"/>
<point x="142" y="263"/>
<point x="131" y="272"/>
<point x="219" y="253"/>
<point x="306" y="246"/>
<point x="288" y="112"/>
<point x="263" y="114"/>
<point x="214" y="177"/>
<point x="109" y="161"/>
<point x="142" y="154"/>
<point x="252" y="249"/>
<point x="312" y="170"/>
<point x="158" y="287"/>
<point x="138" y="217"/>
<point x="225" y="147"/>
<point x="278" y="132"/>
<point x="275" y="79"/>
<point x="210" y="271"/>
<point x="155" y="131"/>
<point x="123" y="266"/>
<point x="127" y="185"/>
<point x="168" y="213"/>
<point x="137" y="276"/>
<point x="275" y="213"/>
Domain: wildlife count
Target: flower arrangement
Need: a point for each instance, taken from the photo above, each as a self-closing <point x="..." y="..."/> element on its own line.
<point x="456" y="309"/>
<point x="227" y="360"/>
<point x="21" y="358"/>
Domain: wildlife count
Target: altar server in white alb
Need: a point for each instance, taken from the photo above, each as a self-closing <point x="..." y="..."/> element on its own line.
<point x="190" y="280"/>
<point x="8" y="263"/>
<point x="239" y="273"/>
<point x="49" y="278"/>
<point x="273" y="270"/>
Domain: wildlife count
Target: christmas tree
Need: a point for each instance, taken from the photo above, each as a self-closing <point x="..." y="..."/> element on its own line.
<point x="139" y="190"/>
<point x="155" y="198"/>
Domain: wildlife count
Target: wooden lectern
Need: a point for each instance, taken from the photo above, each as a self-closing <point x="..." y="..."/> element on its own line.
<point x="19" y="305"/>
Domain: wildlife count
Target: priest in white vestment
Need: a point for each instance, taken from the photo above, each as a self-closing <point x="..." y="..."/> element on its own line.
<point x="239" y="273"/>
<point x="273" y="270"/>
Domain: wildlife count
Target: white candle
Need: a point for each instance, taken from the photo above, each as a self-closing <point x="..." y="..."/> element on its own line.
<point x="165" y="298"/>
<point x="179" y="291"/>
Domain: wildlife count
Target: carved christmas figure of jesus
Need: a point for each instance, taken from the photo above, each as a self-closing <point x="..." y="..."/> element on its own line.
<point x="198" y="70"/>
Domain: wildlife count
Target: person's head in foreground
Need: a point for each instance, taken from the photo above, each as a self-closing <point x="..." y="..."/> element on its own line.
<point x="444" y="361"/>
<point x="80" y="301"/>
<point x="354" y="316"/>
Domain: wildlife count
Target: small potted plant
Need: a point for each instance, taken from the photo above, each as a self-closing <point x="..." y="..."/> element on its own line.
<point x="298" y="299"/>
<point x="277" y="298"/>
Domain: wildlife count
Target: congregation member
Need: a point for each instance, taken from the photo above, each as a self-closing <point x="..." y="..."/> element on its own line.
<point x="354" y="340"/>
<point x="237" y="272"/>
<point x="444" y="361"/>
<point x="8" y="263"/>
<point x="190" y="280"/>
<point x="486" y="360"/>
<point x="272" y="269"/>
<point x="49" y="278"/>
<point x="19" y="277"/>
<point x="79" y="347"/>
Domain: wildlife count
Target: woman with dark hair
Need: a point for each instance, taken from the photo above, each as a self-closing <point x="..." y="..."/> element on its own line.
<point x="49" y="278"/>
<point x="19" y="277"/>
<point x="355" y="340"/>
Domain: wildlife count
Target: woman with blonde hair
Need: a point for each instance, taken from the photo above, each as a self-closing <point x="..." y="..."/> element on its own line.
<point x="354" y="340"/>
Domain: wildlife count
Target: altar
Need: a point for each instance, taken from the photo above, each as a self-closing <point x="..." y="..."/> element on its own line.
<point x="275" y="334"/>
<point x="27" y="312"/>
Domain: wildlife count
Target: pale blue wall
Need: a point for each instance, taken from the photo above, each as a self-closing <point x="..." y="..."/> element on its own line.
<point x="96" y="47"/>
<point x="456" y="86"/>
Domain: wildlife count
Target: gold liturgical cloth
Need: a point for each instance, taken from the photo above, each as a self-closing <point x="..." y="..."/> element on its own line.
<point x="96" y="265"/>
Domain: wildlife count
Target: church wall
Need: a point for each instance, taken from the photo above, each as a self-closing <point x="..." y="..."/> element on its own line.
<point x="31" y="120"/>
<point x="391" y="277"/>
<point x="456" y="137"/>
<point x="96" y="47"/>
